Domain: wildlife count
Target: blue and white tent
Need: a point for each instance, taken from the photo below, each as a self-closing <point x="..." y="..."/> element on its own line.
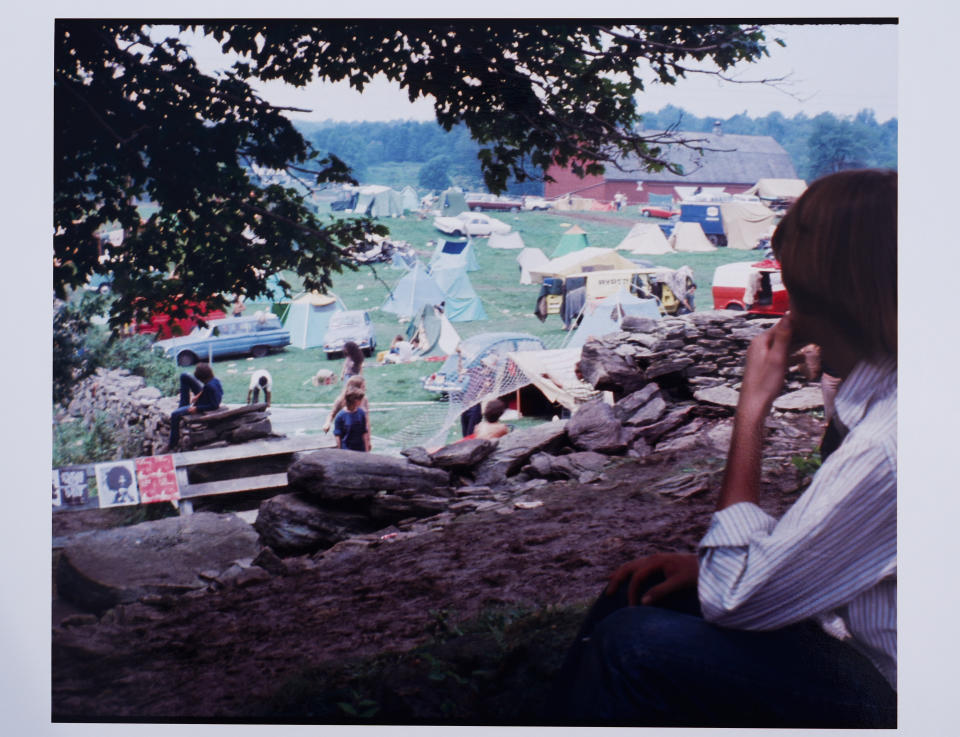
<point x="605" y="315"/>
<point x="414" y="290"/>
<point x="453" y="255"/>
<point x="308" y="316"/>
<point x="461" y="302"/>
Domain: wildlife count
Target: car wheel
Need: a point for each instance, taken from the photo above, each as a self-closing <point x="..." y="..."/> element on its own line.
<point x="331" y="355"/>
<point x="368" y="352"/>
<point x="645" y="213"/>
<point x="456" y="233"/>
<point x="259" y="351"/>
<point x="476" y="209"/>
<point x="514" y="209"/>
<point x="186" y="359"/>
<point x="734" y="306"/>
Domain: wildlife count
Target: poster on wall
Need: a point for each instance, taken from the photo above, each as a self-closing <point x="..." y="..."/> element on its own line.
<point x="157" y="479"/>
<point x="71" y="486"/>
<point x="117" y="483"/>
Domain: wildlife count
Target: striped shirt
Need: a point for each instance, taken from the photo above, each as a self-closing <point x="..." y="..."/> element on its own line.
<point x="832" y="557"/>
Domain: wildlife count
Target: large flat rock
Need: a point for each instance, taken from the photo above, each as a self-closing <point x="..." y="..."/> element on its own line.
<point x="100" y="569"/>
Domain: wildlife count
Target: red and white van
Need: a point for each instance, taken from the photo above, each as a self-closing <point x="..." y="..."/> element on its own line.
<point x="733" y="283"/>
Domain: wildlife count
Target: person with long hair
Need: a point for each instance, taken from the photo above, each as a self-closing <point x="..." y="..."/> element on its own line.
<point x="352" y="361"/>
<point x="786" y="622"/>
<point x="357" y="383"/>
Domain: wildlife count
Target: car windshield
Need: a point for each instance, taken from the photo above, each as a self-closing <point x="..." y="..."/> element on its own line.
<point x="346" y="320"/>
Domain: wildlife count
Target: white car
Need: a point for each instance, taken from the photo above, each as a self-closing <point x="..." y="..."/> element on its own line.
<point x="474" y="224"/>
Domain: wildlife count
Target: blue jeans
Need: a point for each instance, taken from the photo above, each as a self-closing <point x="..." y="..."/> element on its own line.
<point x="188" y="383"/>
<point x="665" y="666"/>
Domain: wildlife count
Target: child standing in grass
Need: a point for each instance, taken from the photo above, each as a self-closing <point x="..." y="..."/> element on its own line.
<point x="350" y="425"/>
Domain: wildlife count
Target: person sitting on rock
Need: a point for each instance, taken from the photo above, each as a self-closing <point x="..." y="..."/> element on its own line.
<point x="789" y="622"/>
<point x="490" y="427"/>
<point x="350" y="426"/>
<point x="209" y="394"/>
<point x="260" y="379"/>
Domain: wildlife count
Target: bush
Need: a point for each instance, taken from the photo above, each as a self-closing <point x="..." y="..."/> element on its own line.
<point x="104" y="439"/>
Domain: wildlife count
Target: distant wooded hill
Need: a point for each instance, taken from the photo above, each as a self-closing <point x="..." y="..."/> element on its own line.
<point x="424" y="155"/>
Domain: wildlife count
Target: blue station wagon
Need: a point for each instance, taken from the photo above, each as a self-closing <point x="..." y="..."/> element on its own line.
<point x="255" y="335"/>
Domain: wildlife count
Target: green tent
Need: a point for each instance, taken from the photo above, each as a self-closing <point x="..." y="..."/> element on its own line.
<point x="378" y="201"/>
<point x="452" y="202"/>
<point x="573" y="240"/>
<point x="308" y="316"/>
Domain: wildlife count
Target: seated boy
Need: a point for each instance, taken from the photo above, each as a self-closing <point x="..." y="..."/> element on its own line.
<point x="350" y="425"/>
<point x="209" y="394"/>
<point x="490" y="427"/>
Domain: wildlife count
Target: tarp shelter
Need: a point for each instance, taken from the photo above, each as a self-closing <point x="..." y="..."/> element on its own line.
<point x="461" y="302"/>
<point x="378" y="201"/>
<point x="408" y="199"/>
<point x="505" y="240"/>
<point x="573" y="240"/>
<point x="452" y="202"/>
<point x="454" y="254"/>
<point x="530" y="259"/>
<point x="604" y="316"/>
<point x="745" y="223"/>
<point x="414" y="290"/>
<point x="646" y="238"/>
<point x="308" y="316"/>
<point x="554" y="373"/>
<point x="689" y="237"/>
<point x="432" y="333"/>
<point x="591" y="258"/>
<point x="778" y="189"/>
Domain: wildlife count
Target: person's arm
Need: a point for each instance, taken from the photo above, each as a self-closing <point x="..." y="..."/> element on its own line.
<point x="762" y="382"/>
<point x="266" y="395"/>
<point x="338" y="404"/>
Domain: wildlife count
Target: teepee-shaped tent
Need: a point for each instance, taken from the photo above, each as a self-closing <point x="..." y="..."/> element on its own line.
<point x="308" y="316"/>
<point x="461" y="302"/>
<point x="454" y="254"/>
<point x="432" y="333"/>
<point x="530" y="259"/>
<point x="646" y="238"/>
<point x="605" y="315"/>
<point x="378" y="201"/>
<point x="572" y="240"/>
<point x="689" y="237"/>
<point x="505" y="240"/>
<point x="408" y="199"/>
<point x="416" y="289"/>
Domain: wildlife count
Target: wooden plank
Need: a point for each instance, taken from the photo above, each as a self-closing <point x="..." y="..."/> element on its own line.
<point x="231" y="486"/>
<point x="252" y="449"/>
<point x="222" y="414"/>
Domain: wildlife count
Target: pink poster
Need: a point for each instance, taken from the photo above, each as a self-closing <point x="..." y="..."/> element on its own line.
<point x="157" y="479"/>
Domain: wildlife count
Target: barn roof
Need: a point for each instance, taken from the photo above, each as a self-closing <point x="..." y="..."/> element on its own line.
<point x="726" y="159"/>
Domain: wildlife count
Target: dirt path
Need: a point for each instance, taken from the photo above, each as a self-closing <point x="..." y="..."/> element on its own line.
<point x="213" y="655"/>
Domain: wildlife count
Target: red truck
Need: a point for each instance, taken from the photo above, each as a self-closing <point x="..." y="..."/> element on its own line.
<point x="163" y="326"/>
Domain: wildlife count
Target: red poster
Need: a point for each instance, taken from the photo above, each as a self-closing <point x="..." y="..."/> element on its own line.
<point x="157" y="479"/>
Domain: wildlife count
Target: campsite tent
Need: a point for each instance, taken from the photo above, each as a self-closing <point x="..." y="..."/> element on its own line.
<point x="530" y="259"/>
<point x="452" y="255"/>
<point x="461" y="303"/>
<point x="646" y="238"/>
<point x="554" y="373"/>
<point x="690" y="237"/>
<point x="505" y="240"/>
<point x="452" y="202"/>
<point x="408" y="199"/>
<point x="572" y="240"/>
<point x="605" y="315"/>
<point x="434" y="334"/>
<point x="308" y="316"/>
<point x="778" y="189"/>
<point x="745" y="223"/>
<point x="414" y="290"/>
<point x="378" y="201"/>
<point x="591" y="258"/>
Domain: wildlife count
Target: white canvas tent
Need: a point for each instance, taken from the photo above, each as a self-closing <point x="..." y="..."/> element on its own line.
<point x="591" y="258"/>
<point x="645" y="238"/>
<point x="408" y="199"/>
<point x="744" y="223"/>
<point x="554" y="373"/>
<point x="530" y="259"/>
<point x="689" y="237"/>
<point x="505" y="240"/>
<point x="778" y="189"/>
<point x="308" y="316"/>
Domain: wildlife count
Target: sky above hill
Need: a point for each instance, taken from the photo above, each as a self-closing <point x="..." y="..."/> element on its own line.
<point x="837" y="68"/>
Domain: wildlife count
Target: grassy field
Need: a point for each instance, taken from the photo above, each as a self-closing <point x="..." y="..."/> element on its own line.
<point x="508" y="304"/>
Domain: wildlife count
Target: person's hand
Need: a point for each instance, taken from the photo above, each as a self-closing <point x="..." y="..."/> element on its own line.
<point x="767" y="359"/>
<point x="326" y="426"/>
<point x="680" y="571"/>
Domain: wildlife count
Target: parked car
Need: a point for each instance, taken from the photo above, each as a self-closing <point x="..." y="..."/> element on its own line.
<point x="256" y="335"/>
<point x="347" y="325"/>
<point x="477" y="357"/>
<point x="655" y="211"/>
<point x="734" y="283"/>
<point x="533" y="202"/>
<point x="477" y="202"/>
<point x="473" y="224"/>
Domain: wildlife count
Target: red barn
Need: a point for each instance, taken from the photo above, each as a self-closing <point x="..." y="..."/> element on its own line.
<point x="734" y="162"/>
